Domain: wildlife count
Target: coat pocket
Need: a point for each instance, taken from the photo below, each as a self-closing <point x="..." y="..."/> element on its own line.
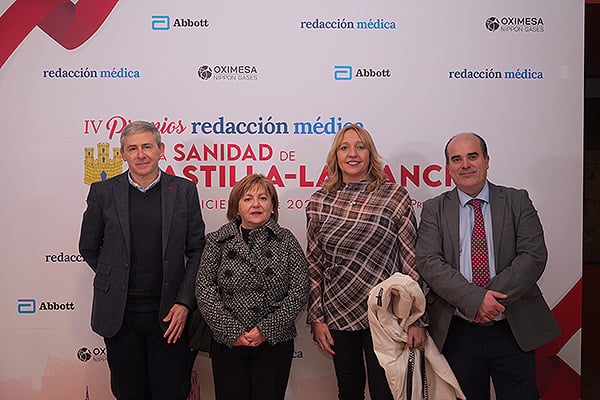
<point x="103" y="268"/>
<point x="101" y="284"/>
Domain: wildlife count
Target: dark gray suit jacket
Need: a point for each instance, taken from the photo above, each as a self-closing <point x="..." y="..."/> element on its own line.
<point x="520" y="256"/>
<point x="105" y="245"/>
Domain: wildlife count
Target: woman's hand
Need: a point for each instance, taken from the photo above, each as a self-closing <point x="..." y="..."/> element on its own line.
<point x="322" y="336"/>
<point x="255" y="337"/>
<point x="416" y="337"/>
<point x="241" y="340"/>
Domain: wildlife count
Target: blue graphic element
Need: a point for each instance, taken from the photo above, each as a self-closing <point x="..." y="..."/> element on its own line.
<point x="342" y="73"/>
<point x="161" y="23"/>
<point x="26" y="306"/>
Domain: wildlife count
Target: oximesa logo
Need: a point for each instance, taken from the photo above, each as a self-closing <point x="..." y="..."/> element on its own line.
<point x="515" y="24"/>
<point x="95" y="354"/>
<point x="239" y="72"/>
<point x="69" y="24"/>
<point x="492" y="24"/>
<point x="204" y="72"/>
<point x="84" y="354"/>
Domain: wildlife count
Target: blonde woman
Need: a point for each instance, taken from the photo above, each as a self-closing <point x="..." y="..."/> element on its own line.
<point x="360" y="230"/>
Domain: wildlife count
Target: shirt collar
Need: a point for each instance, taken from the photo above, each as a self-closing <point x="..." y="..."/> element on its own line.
<point x="484" y="195"/>
<point x="139" y="187"/>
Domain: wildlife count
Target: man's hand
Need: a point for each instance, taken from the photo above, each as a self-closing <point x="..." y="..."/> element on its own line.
<point x="489" y="308"/>
<point x="177" y="315"/>
<point x="322" y="336"/>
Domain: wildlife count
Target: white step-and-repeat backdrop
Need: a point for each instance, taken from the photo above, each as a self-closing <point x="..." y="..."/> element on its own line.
<point x="239" y="87"/>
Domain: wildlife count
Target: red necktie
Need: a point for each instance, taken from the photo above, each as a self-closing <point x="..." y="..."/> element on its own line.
<point x="479" y="250"/>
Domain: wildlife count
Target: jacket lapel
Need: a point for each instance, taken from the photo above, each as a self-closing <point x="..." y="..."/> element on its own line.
<point x="168" y="190"/>
<point x="121" y="194"/>
<point x="451" y="215"/>
<point x="497" y="208"/>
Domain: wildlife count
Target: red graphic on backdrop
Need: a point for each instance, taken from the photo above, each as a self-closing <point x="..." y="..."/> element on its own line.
<point x="69" y="24"/>
<point x="555" y="378"/>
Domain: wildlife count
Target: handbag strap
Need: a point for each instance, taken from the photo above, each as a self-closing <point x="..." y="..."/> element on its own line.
<point x="409" y="375"/>
<point x="424" y="376"/>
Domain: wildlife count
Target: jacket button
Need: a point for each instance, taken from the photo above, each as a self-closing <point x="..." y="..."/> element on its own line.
<point x="268" y="271"/>
<point x="231" y="254"/>
<point x="269" y="254"/>
<point x="255" y="309"/>
<point x="258" y="289"/>
<point x="126" y="266"/>
<point x="228" y="273"/>
<point x="253" y="270"/>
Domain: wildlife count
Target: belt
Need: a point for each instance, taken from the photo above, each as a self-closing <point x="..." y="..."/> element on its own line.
<point x="486" y="324"/>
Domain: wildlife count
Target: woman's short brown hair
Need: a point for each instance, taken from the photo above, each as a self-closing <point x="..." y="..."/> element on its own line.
<point x="246" y="185"/>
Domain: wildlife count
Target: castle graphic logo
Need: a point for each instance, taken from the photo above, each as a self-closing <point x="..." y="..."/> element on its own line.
<point x="103" y="167"/>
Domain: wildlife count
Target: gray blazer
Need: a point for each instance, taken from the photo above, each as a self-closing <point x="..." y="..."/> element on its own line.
<point x="520" y="256"/>
<point x="105" y="245"/>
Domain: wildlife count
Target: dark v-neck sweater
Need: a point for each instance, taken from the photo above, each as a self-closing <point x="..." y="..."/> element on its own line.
<point x="146" y="274"/>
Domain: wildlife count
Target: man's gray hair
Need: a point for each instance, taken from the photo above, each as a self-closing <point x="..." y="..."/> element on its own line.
<point x="139" y="127"/>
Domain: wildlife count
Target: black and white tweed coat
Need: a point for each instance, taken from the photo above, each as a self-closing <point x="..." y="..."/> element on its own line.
<point x="262" y="284"/>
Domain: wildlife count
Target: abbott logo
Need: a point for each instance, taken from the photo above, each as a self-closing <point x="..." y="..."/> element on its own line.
<point x="26" y="306"/>
<point x="342" y="73"/>
<point x="161" y="22"/>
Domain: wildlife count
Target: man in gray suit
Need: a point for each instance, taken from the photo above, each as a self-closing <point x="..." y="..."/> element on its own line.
<point x="481" y="250"/>
<point x="142" y="234"/>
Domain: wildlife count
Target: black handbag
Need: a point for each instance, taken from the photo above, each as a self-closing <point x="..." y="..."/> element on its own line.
<point x="199" y="333"/>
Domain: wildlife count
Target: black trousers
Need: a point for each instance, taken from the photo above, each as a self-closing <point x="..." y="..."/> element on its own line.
<point x="143" y="366"/>
<point x="352" y="350"/>
<point x="476" y="353"/>
<point x="251" y="373"/>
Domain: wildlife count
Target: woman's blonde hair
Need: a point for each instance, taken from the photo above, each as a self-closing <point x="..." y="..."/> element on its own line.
<point x="375" y="174"/>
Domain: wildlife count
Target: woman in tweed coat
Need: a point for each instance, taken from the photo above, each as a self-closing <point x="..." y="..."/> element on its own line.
<point x="251" y="285"/>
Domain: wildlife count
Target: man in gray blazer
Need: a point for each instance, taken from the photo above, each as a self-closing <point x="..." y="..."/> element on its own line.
<point x="142" y="234"/>
<point x="486" y="310"/>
